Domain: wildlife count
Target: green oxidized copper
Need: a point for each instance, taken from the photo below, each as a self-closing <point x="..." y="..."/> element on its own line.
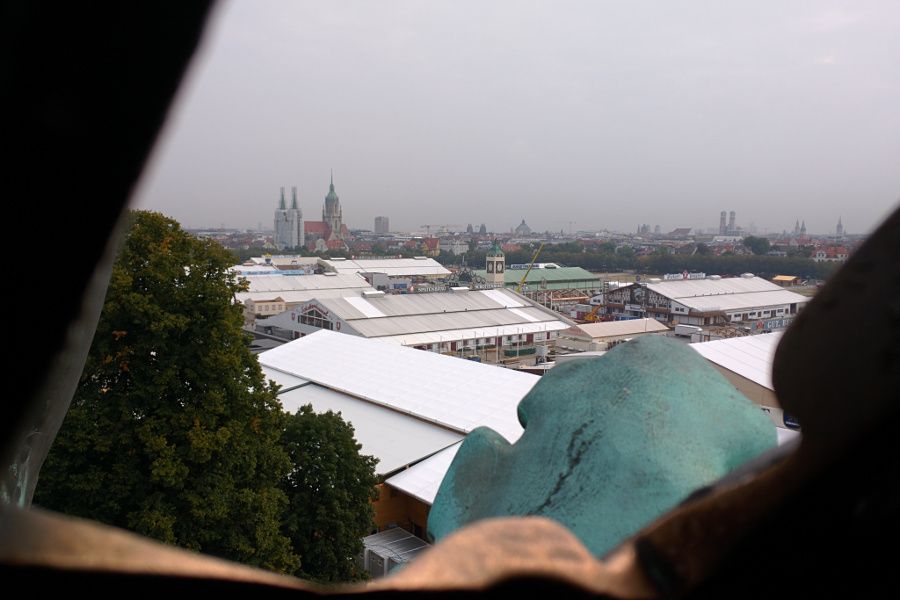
<point x="609" y="445"/>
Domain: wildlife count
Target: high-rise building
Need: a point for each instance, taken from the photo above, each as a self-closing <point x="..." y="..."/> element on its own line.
<point x="289" y="231"/>
<point x="732" y="229"/>
<point x="382" y="225"/>
<point x="722" y="228"/>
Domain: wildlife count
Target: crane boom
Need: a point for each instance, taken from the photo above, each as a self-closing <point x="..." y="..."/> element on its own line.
<point x="525" y="276"/>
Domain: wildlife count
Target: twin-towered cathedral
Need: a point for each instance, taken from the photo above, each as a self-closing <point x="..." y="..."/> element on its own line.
<point x="291" y="231"/>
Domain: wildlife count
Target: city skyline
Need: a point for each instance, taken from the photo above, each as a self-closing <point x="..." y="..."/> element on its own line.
<point x="595" y="114"/>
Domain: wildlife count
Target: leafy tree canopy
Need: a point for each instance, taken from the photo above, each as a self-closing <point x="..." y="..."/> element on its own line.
<point x="757" y="245"/>
<point x="173" y="431"/>
<point x="330" y="488"/>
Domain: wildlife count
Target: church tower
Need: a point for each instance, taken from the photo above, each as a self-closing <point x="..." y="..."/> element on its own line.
<point x="840" y="228"/>
<point x="295" y="218"/>
<point x="282" y="225"/>
<point x="331" y="213"/>
<point x="495" y="266"/>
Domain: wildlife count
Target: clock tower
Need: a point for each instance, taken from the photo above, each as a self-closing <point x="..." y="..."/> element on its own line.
<point x="495" y="266"/>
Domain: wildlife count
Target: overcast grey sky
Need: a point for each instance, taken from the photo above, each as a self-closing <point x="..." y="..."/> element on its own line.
<point x="606" y="114"/>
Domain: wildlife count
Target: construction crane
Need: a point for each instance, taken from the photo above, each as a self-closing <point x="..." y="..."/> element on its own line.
<point x="525" y="276"/>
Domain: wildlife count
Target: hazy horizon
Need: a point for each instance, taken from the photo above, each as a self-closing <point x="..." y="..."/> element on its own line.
<point x="571" y="115"/>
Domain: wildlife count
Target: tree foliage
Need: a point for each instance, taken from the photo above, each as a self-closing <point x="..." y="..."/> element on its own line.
<point x="757" y="245"/>
<point x="173" y="431"/>
<point x="600" y="259"/>
<point x="330" y="488"/>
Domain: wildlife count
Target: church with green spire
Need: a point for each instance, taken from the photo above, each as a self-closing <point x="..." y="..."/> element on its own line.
<point x="328" y="234"/>
<point x="331" y="215"/>
<point x="291" y="231"/>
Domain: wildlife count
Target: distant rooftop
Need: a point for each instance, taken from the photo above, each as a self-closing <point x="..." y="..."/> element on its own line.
<point x="731" y="293"/>
<point x="392" y="267"/>
<point x="617" y="328"/>
<point x="301" y="288"/>
<point x="750" y="356"/>
<point x="413" y="319"/>
<point x="555" y="277"/>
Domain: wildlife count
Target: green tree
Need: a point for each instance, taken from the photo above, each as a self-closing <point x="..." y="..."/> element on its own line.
<point x="330" y="488"/>
<point x="757" y="245"/>
<point x="173" y="431"/>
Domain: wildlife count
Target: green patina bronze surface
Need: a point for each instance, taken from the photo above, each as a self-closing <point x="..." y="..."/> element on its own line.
<point x="609" y="445"/>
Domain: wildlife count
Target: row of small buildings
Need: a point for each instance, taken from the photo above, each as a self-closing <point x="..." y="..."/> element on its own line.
<point x="487" y="320"/>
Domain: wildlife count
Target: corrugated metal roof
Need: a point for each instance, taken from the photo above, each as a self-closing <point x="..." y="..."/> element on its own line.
<point x="395" y="439"/>
<point x="750" y="357"/>
<point x="393" y="267"/>
<point x="457" y="394"/>
<point x="617" y="328"/>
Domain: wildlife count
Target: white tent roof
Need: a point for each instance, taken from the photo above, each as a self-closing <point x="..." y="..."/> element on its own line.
<point x="302" y="288"/>
<point x="392" y="267"/>
<point x="732" y="293"/>
<point x="451" y="393"/>
<point x="750" y="357"/>
<point x="422" y="480"/>
<point x="745" y="301"/>
<point x="395" y="439"/>
<point x="285" y="260"/>
<point x="254" y="268"/>
<point x="279" y="283"/>
<point x="443" y="316"/>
